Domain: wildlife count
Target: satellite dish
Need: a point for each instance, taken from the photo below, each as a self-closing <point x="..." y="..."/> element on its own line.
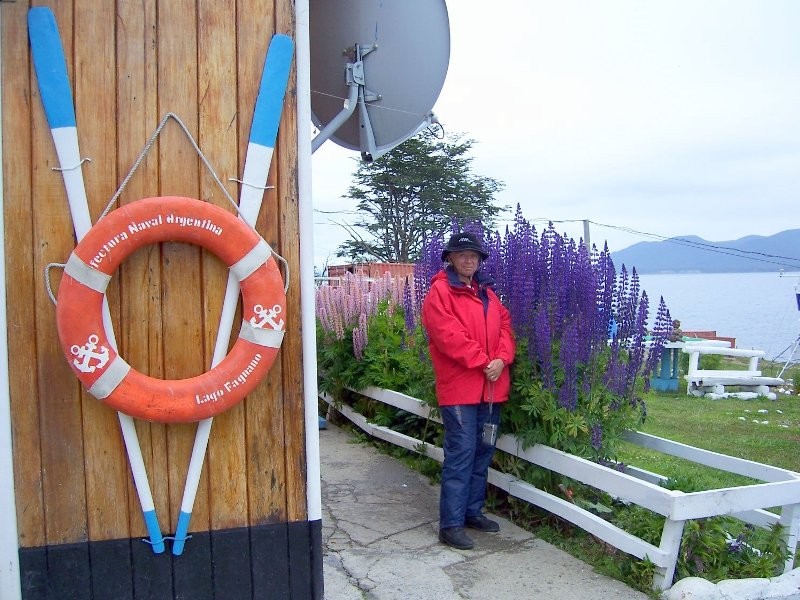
<point x="377" y="68"/>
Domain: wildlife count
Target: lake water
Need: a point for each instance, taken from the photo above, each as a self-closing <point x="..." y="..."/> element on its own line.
<point x="758" y="309"/>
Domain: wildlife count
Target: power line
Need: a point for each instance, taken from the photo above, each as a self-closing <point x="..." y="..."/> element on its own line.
<point x="337" y="212"/>
<point x="727" y="250"/>
<point x="709" y="247"/>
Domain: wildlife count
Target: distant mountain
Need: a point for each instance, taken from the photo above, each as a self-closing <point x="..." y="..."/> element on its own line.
<point x="692" y="254"/>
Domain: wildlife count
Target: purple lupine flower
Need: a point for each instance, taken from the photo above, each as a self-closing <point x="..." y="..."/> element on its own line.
<point x="322" y="302"/>
<point x="615" y="371"/>
<point x="429" y="264"/>
<point x="360" y="336"/>
<point x="397" y="289"/>
<point x="735" y="545"/>
<point x="606" y="283"/>
<point x="337" y="321"/>
<point x="596" y="436"/>
<point x="346" y="307"/>
<point x="620" y="306"/>
<point x="568" y="355"/>
<point x="408" y="308"/>
<point x="543" y="346"/>
<point x="568" y="396"/>
<point x="358" y="349"/>
<point x="526" y="283"/>
<point x="637" y="342"/>
<point x="662" y="328"/>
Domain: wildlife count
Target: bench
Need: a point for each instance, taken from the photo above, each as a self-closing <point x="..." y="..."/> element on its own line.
<point x="711" y="382"/>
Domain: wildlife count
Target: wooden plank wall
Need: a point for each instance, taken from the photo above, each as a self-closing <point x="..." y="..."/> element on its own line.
<point x="130" y="63"/>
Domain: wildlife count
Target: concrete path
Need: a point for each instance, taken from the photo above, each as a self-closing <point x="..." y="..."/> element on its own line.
<point x="379" y="529"/>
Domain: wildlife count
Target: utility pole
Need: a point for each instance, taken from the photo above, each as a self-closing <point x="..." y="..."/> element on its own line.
<point x="586" y="236"/>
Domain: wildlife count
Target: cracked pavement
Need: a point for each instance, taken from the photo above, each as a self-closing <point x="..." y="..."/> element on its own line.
<point x="379" y="534"/>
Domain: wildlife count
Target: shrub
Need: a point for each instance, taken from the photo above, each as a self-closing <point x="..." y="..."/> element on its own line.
<point x="583" y="349"/>
<point x="364" y="339"/>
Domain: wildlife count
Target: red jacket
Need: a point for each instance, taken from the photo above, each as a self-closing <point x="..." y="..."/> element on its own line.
<point x="464" y="339"/>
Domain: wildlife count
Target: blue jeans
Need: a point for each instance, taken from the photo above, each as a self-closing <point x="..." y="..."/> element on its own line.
<point x="466" y="461"/>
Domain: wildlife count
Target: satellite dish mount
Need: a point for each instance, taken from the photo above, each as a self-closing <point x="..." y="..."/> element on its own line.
<point x="404" y="78"/>
<point x="358" y="94"/>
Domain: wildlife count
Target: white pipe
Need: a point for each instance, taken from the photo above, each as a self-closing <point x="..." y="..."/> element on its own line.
<point x="307" y="312"/>
<point x="9" y="536"/>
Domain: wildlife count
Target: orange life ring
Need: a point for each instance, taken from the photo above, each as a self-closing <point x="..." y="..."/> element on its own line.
<point x="87" y="274"/>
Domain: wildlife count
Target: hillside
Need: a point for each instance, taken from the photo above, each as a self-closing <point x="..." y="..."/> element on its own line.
<point x="692" y="254"/>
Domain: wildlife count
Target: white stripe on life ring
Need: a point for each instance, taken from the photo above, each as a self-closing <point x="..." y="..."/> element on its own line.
<point x="83" y="273"/>
<point x="268" y="337"/>
<point x="110" y="379"/>
<point x="250" y="262"/>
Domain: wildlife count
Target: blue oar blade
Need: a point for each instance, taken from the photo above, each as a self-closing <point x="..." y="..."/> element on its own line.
<point x="51" y="67"/>
<point x="153" y="530"/>
<point x="269" y="103"/>
<point x="181" y="533"/>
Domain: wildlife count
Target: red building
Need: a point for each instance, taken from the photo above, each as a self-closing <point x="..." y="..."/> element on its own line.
<point x="373" y="270"/>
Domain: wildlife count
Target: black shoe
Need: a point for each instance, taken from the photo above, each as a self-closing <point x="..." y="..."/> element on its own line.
<point x="456" y="538"/>
<point x="481" y="523"/>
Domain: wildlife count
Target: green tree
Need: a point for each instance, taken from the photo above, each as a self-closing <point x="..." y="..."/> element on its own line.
<point x="414" y="192"/>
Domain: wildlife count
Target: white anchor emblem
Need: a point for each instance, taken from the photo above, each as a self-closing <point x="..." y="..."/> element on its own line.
<point x="87" y="352"/>
<point x="268" y="316"/>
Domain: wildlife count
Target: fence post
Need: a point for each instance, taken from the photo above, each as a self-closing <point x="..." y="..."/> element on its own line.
<point x="790" y="519"/>
<point x="671" y="545"/>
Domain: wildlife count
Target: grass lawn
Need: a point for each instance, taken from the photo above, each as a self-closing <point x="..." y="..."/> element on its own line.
<point x="765" y="431"/>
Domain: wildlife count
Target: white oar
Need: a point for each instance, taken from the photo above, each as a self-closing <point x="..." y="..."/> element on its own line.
<point x="263" y="132"/>
<point x="51" y="72"/>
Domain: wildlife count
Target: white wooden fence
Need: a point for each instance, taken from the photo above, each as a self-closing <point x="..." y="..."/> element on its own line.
<point x="780" y="488"/>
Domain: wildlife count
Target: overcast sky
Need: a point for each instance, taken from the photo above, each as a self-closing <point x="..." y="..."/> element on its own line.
<point x="665" y="117"/>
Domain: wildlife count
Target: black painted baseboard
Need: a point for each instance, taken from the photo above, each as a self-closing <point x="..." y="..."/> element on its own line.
<point x="277" y="561"/>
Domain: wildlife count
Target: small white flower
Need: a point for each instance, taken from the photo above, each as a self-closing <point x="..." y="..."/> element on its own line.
<point x="742" y="419"/>
<point x="763" y="410"/>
